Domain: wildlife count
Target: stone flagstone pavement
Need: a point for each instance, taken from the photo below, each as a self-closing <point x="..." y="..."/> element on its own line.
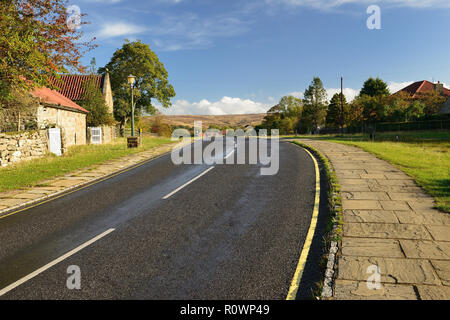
<point x="389" y="222"/>
<point x="16" y="199"/>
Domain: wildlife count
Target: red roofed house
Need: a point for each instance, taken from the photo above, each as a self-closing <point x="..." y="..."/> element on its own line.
<point x="57" y="110"/>
<point x="72" y="86"/>
<point x="424" y="86"/>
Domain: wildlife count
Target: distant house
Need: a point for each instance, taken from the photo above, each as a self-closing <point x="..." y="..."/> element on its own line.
<point x="72" y="86"/>
<point x="416" y="88"/>
<point x="55" y="109"/>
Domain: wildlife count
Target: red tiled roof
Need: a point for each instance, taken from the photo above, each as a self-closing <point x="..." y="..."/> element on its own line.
<point x="422" y="87"/>
<point x="52" y="97"/>
<point x="71" y="85"/>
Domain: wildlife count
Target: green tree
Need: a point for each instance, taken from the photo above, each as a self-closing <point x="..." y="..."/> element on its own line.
<point x="334" y="113"/>
<point x="138" y="59"/>
<point x="415" y="111"/>
<point x="374" y="107"/>
<point x="374" y="87"/>
<point x="315" y="107"/>
<point x="94" y="102"/>
<point x="284" y="116"/>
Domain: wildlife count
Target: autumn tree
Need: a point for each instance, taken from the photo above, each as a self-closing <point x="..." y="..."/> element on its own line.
<point x="159" y="127"/>
<point x="152" y="82"/>
<point x="432" y="102"/>
<point x="37" y="42"/>
<point x="315" y="106"/>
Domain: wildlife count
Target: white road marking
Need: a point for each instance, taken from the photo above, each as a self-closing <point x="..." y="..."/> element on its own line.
<point x="188" y="183"/>
<point x="54" y="262"/>
<point x="229" y="154"/>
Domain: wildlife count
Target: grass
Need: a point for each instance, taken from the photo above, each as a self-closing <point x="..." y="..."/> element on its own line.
<point x="425" y="156"/>
<point x="33" y="172"/>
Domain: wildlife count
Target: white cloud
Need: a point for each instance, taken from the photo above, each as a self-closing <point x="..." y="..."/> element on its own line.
<point x="297" y="94"/>
<point x="190" y="31"/>
<point x="397" y="86"/>
<point x="116" y="29"/>
<point x="349" y="93"/>
<point x="328" y="4"/>
<point x="226" y="105"/>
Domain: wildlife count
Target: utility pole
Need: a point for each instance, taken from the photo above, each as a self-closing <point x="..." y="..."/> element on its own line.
<point x="342" y="105"/>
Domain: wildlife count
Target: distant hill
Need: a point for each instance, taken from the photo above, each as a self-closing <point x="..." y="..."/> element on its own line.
<point x="232" y="120"/>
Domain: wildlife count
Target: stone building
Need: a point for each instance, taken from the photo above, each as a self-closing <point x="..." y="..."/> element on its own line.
<point x="56" y="110"/>
<point x="72" y="87"/>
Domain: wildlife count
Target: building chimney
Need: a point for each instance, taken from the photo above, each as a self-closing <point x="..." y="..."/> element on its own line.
<point x="439" y="87"/>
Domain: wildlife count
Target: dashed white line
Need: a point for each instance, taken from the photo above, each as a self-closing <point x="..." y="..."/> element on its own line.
<point x="54" y="262"/>
<point x="188" y="183"/>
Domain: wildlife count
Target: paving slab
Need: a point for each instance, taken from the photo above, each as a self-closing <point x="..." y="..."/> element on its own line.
<point x="434" y="292"/>
<point x="398" y="271"/>
<point x="370" y="247"/>
<point x="395" y="205"/>
<point x="375" y="216"/>
<point x="28" y="195"/>
<point x="421" y="249"/>
<point x="386" y="231"/>
<point x="442" y="269"/>
<point x="439" y="233"/>
<point x="358" y="290"/>
<point x="11" y="202"/>
<point x="365" y="195"/>
<point x="360" y="204"/>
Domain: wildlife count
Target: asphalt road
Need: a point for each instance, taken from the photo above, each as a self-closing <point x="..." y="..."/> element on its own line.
<point x="230" y="234"/>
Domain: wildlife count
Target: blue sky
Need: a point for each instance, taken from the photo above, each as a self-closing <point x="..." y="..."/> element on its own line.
<point x="233" y="56"/>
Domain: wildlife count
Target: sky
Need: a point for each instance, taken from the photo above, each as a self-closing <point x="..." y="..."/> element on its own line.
<point x="234" y="57"/>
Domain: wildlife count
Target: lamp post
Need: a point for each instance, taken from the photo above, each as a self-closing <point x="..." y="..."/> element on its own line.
<point x="131" y="81"/>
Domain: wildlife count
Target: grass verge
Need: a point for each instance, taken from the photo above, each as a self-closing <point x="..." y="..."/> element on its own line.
<point x="31" y="173"/>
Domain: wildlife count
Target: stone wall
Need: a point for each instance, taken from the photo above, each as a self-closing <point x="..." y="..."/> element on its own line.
<point x="22" y="146"/>
<point x="109" y="134"/>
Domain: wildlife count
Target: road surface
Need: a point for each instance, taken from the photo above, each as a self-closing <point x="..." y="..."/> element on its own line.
<point x="230" y="233"/>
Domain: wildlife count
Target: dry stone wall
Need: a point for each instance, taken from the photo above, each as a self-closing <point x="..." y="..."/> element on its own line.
<point x="22" y="146"/>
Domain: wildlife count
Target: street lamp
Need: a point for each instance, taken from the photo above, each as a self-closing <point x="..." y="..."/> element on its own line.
<point x="131" y="80"/>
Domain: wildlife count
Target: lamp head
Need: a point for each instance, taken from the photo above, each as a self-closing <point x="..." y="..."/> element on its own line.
<point x="131" y="79"/>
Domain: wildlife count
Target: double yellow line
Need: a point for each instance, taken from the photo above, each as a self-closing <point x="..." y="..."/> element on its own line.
<point x="295" y="283"/>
